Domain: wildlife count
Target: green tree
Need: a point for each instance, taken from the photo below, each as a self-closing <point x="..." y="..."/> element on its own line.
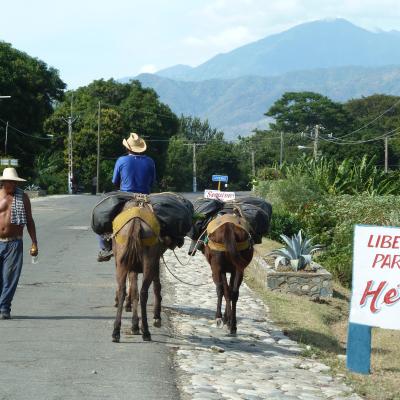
<point x="298" y="112"/>
<point x="374" y="116"/>
<point x="125" y="108"/>
<point x="219" y="157"/>
<point x="34" y="89"/>
<point x="196" y="130"/>
<point x="179" y="166"/>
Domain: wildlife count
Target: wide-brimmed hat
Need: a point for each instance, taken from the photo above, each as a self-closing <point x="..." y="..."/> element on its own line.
<point x="135" y="143"/>
<point x="10" y="174"/>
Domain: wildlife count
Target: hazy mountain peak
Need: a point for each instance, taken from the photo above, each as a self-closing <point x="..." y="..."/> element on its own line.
<point x="316" y="44"/>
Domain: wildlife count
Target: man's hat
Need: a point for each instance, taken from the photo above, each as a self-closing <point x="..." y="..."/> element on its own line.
<point x="10" y="174"/>
<point x="135" y="143"/>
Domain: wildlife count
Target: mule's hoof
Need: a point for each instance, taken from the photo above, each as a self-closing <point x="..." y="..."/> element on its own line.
<point x="219" y="322"/>
<point x="146" y="337"/>
<point x="128" y="308"/>
<point x="157" y="322"/>
<point x="233" y="331"/>
<point x="135" y="331"/>
<point x="115" y="339"/>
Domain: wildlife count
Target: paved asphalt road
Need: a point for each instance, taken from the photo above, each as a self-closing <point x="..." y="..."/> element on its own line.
<point x="58" y="344"/>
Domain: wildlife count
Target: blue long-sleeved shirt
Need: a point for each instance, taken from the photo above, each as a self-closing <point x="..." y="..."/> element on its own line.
<point x="134" y="173"/>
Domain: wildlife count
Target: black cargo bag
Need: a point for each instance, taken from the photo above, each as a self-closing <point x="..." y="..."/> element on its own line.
<point x="206" y="208"/>
<point x="107" y="209"/>
<point x="173" y="212"/>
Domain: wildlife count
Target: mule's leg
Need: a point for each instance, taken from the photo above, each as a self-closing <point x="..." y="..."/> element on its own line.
<point x="157" y="297"/>
<point x="217" y="278"/>
<point x="128" y="298"/>
<point x="148" y="275"/>
<point x="121" y="280"/>
<point x="235" y="297"/>
<point x="228" y="310"/>
<point x="116" y="298"/>
<point x="135" y="302"/>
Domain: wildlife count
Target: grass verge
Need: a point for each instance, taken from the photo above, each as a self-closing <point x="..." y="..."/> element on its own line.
<point x="322" y="329"/>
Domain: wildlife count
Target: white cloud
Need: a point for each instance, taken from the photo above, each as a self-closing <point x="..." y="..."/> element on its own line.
<point x="147" y="69"/>
<point x="222" y="41"/>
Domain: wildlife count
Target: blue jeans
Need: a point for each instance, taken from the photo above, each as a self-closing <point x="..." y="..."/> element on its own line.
<point x="104" y="244"/>
<point x="10" y="271"/>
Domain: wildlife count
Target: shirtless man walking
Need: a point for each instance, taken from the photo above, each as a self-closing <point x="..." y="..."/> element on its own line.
<point x="15" y="212"/>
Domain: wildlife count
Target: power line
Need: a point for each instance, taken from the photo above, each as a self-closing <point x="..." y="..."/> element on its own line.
<point x="372" y="121"/>
<point x="24" y="133"/>
<point x="387" y="134"/>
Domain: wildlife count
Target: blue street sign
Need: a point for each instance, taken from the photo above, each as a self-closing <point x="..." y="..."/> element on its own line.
<point x="220" y="178"/>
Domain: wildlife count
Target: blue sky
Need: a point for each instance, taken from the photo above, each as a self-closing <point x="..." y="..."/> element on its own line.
<point x="87" y="39"/>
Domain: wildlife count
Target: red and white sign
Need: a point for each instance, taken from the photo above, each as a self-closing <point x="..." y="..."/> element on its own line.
<point x="376" y="277"/>
<point x="216" y="194"/>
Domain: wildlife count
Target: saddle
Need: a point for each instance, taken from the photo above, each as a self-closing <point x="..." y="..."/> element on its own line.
<point x="221" y="220"/>
<point x="144" y="213"/>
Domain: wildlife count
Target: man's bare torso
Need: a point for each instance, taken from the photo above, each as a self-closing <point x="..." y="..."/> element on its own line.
<point x="7" y="229"/>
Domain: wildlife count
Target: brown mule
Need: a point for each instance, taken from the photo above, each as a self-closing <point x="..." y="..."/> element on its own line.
<point x="229" y="250"/>
<point x="137" y="249"/>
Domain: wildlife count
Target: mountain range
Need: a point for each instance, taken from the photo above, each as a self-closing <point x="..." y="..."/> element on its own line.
<point x="234" y="90"/>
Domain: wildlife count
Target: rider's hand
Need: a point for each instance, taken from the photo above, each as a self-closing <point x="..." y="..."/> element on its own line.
<point x="34" y="250"/>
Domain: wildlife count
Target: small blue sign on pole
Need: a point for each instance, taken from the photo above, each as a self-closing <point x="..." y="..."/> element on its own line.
<point x="220" y="178"/>
<point x="359" y="348"/>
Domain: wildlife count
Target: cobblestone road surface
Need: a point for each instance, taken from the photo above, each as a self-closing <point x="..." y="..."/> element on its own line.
<point x="259" y="363"/>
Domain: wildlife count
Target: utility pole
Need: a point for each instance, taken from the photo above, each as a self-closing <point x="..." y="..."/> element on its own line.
<point x="386" y="141"/>
<point x="5" y="143"/>
<point x="253" y="165"/>
<point x="98" y="151"/>
<point x="70" y="120"/>
<point x="316" y="134"/>
<point x="195" y="164"/>
<point x="194" y="169"/>
<point x="281" y="152"/>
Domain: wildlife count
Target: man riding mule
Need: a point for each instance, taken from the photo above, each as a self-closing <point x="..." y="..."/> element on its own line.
<point x="142" y="227"/>
<point x="134" y="172"/>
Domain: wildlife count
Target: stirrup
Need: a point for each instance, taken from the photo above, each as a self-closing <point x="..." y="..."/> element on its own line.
<point x="104" y="255"/>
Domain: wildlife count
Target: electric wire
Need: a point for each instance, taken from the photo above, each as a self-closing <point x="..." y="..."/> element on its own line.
<point x="24" y="133"/>
<point x="372" y="121"/>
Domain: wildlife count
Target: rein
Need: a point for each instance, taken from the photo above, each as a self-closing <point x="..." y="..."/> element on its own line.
<point x="178" y="279"/>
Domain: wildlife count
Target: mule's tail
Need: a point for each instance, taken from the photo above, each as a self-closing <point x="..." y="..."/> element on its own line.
<point x="232" y="252"/>
<point x="133" y="249"/>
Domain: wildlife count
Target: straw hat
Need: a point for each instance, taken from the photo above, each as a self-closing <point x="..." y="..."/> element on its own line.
<point x="135" y="143"/>
<point x="10" y="174"/>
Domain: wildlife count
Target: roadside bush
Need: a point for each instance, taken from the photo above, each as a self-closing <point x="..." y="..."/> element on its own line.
<point x="283" y="222"/>
<point x="332" y="223"/>
<point x="329" y="219"/>
<point x="291" y="194"/>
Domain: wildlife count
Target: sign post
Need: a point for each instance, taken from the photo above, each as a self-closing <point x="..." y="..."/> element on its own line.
<point x="375" y="297"/>
<point x="219" y="179"/>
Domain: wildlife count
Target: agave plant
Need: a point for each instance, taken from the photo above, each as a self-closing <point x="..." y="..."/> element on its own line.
<point x="297" y="253"/>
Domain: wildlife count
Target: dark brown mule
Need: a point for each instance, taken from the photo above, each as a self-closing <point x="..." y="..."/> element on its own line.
<point x="229" y="250"/>
<point x="137" y="249"/>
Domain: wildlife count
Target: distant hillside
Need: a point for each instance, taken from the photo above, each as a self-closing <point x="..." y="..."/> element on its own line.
<point x="238" y="105"/>
<point x="319" y="44"/>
